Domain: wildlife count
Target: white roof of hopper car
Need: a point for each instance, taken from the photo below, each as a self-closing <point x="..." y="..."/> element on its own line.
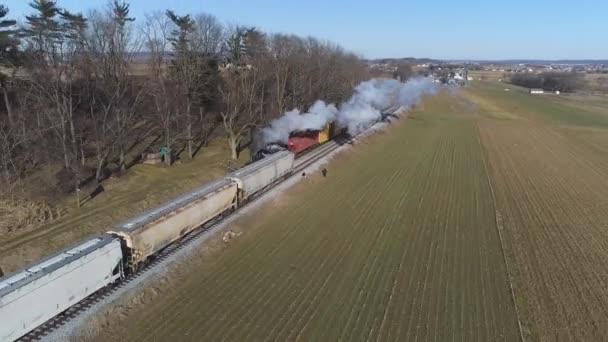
<point x="153" y="214"/>
<point x="21" y="278"/>
<point x="259" y="164"/>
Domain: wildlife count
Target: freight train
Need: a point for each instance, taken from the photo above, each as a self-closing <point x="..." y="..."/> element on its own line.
<point x="36" y="294"/>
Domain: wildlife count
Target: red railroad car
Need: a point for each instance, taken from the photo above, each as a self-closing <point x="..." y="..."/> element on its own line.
<point x="300" y="143"/>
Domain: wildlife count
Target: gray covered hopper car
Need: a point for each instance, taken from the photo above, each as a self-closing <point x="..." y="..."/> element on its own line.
<point x="40" y="292"/>
<point x="154" y="230"/>
<point x="256" y="176"/>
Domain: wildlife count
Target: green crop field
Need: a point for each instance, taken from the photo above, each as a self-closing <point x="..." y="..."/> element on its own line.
<point x="481" y="217"/>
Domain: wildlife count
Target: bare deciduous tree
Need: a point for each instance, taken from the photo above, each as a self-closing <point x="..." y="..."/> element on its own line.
<point x="186" y="71"/>
<point x="208" y="34"/>
<point x="114" y="94"/>
<point x="243" y="86"/>
<point x="88" y="88"/>
<point x="157" y="32"/>
<point x="404" y="72"/>
<point x="55" y="36"/>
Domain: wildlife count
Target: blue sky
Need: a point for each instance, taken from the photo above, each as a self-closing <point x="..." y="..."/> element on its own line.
<point x="466" y="29"/>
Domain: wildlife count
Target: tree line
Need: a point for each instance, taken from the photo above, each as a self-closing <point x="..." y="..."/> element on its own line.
<point x="80" y="92"/>
<point x="565" y="82"/>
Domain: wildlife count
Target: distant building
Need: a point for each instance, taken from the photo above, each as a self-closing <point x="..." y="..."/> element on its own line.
<point x="536" y="91"/>
<point x="460" y="75"/>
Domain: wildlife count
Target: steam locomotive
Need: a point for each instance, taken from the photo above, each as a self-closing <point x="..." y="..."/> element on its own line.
<point x="302" y="141"/>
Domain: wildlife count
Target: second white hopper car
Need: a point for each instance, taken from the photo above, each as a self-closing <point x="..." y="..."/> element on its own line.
<point x="146" y="234"/>
<point x="256" y="176"/>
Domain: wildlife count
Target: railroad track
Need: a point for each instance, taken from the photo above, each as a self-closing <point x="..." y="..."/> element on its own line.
<point x="300" y="164"/>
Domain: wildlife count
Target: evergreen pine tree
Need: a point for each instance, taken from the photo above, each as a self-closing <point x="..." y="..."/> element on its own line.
<point x="9" y="58"/>
<point x="9" y="43"/>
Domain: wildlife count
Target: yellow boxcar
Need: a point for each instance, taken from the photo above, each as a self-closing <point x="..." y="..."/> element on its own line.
<point x="324" y="134"/>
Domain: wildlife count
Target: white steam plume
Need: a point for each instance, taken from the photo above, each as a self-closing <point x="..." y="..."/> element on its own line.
<point x="362" y="109"/>
<point x="315" y="119"/>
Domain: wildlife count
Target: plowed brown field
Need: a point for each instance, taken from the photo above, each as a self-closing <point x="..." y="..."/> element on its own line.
<point x="552" y="199"/>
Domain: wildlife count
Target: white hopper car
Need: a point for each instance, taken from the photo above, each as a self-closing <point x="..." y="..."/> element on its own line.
<point x="40" y="292"/>
<point x="256" y="176"/>
<point x="33" y="296"/>
<point x="145" y="235"/>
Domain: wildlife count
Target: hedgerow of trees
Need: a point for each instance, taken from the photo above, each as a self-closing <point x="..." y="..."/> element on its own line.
<point x="80" y="93"/>
<point x="565" y="82"/>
